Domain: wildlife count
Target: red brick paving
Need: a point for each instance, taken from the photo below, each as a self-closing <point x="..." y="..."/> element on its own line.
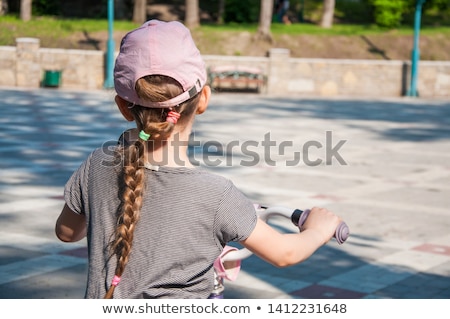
<point x="434" y="249"/>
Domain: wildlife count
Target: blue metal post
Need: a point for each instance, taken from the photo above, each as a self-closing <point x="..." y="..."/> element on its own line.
<point x="415" y="52"/>
<point x="110" y="48"/>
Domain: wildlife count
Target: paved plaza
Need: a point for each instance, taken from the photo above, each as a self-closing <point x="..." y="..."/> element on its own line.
<point x="381" y="164"/>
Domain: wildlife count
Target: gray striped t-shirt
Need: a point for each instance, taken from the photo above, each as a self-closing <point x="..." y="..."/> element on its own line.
<point x="188" y="215"/>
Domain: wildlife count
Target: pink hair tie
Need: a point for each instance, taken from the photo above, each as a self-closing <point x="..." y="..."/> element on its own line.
<point x="172" y="117"/>
<point x="115" y="281"/>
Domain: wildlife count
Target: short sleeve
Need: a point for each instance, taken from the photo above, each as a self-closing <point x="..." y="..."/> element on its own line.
<point x="236" y="217"/>
<point x="76" y="188"/>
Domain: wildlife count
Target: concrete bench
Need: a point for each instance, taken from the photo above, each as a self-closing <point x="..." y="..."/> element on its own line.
<point x="236" y="78"/>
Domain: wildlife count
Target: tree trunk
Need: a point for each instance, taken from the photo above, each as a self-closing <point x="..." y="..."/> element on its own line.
<point x="120" y="9"/>
<point x="192" y="18"/>
<point x="140" y="11"/>
<point x="25" y="10"/>
<point x="3" y="7"/>
<point x="328" y="13"/>
<point x="221" y="12"/>
<point x="265" y="21"/>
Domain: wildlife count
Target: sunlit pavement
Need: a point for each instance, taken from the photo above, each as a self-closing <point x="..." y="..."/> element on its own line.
<point x="381" y="164"/>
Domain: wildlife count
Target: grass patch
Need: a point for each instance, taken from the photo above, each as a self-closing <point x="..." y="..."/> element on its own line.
<point x="352" y="29"/>
<point x="49" y="29"/>
<point x="11" y="27"/>
<point x="312" y="29"/>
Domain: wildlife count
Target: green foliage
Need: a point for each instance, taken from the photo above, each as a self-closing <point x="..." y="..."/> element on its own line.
<point x="241" y="11"/>
<point x="436" y="12"/>
<point x="384" y="13"/>
<point x="388" y="13"/>
<point x="349" y="11"/>
<point x="46" y="7"/>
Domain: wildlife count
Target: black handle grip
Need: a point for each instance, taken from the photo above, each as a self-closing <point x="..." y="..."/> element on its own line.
<point x="342" y="231"/>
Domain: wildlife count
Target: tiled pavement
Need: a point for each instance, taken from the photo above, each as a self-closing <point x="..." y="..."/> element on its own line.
<point x="393" y="190"/>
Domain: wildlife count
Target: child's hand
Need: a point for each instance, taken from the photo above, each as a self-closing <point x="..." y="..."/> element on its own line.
<point x="323" y="222"/>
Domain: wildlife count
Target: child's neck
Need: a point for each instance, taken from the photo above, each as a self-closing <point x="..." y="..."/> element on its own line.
<point x="172" y="153"/>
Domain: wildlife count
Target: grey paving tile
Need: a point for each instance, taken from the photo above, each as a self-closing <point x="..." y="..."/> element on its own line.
<point x="392" y="193"/>
<point x="65" y="283"/>
<point x="13" y="254"/>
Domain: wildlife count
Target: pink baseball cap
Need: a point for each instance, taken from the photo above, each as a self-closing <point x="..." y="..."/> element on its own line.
<point x="159" y="48"/>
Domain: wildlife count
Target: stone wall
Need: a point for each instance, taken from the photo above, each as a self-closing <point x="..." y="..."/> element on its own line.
<point x="25" y="65"/>
<point x="8" y="58"/>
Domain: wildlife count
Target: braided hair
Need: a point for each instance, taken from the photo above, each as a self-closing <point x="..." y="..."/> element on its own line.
<point x="157" y="128"/>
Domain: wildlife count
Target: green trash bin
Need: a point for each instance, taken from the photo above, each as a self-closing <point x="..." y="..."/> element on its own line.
<point x="52" y="78"/>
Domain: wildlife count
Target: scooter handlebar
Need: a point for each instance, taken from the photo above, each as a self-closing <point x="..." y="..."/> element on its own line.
<point x="299" y="217"/>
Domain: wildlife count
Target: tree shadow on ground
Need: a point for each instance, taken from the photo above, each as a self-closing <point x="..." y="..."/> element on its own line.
<point x="408" y="119"/>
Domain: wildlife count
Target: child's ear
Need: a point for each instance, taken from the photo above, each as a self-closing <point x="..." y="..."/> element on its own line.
<point x="204" y="99"/>
<point x="123" y="107"/>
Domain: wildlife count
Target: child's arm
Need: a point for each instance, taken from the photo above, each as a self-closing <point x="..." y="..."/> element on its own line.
<point x="284" y="250"/>
<point x="70" y="226"/>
